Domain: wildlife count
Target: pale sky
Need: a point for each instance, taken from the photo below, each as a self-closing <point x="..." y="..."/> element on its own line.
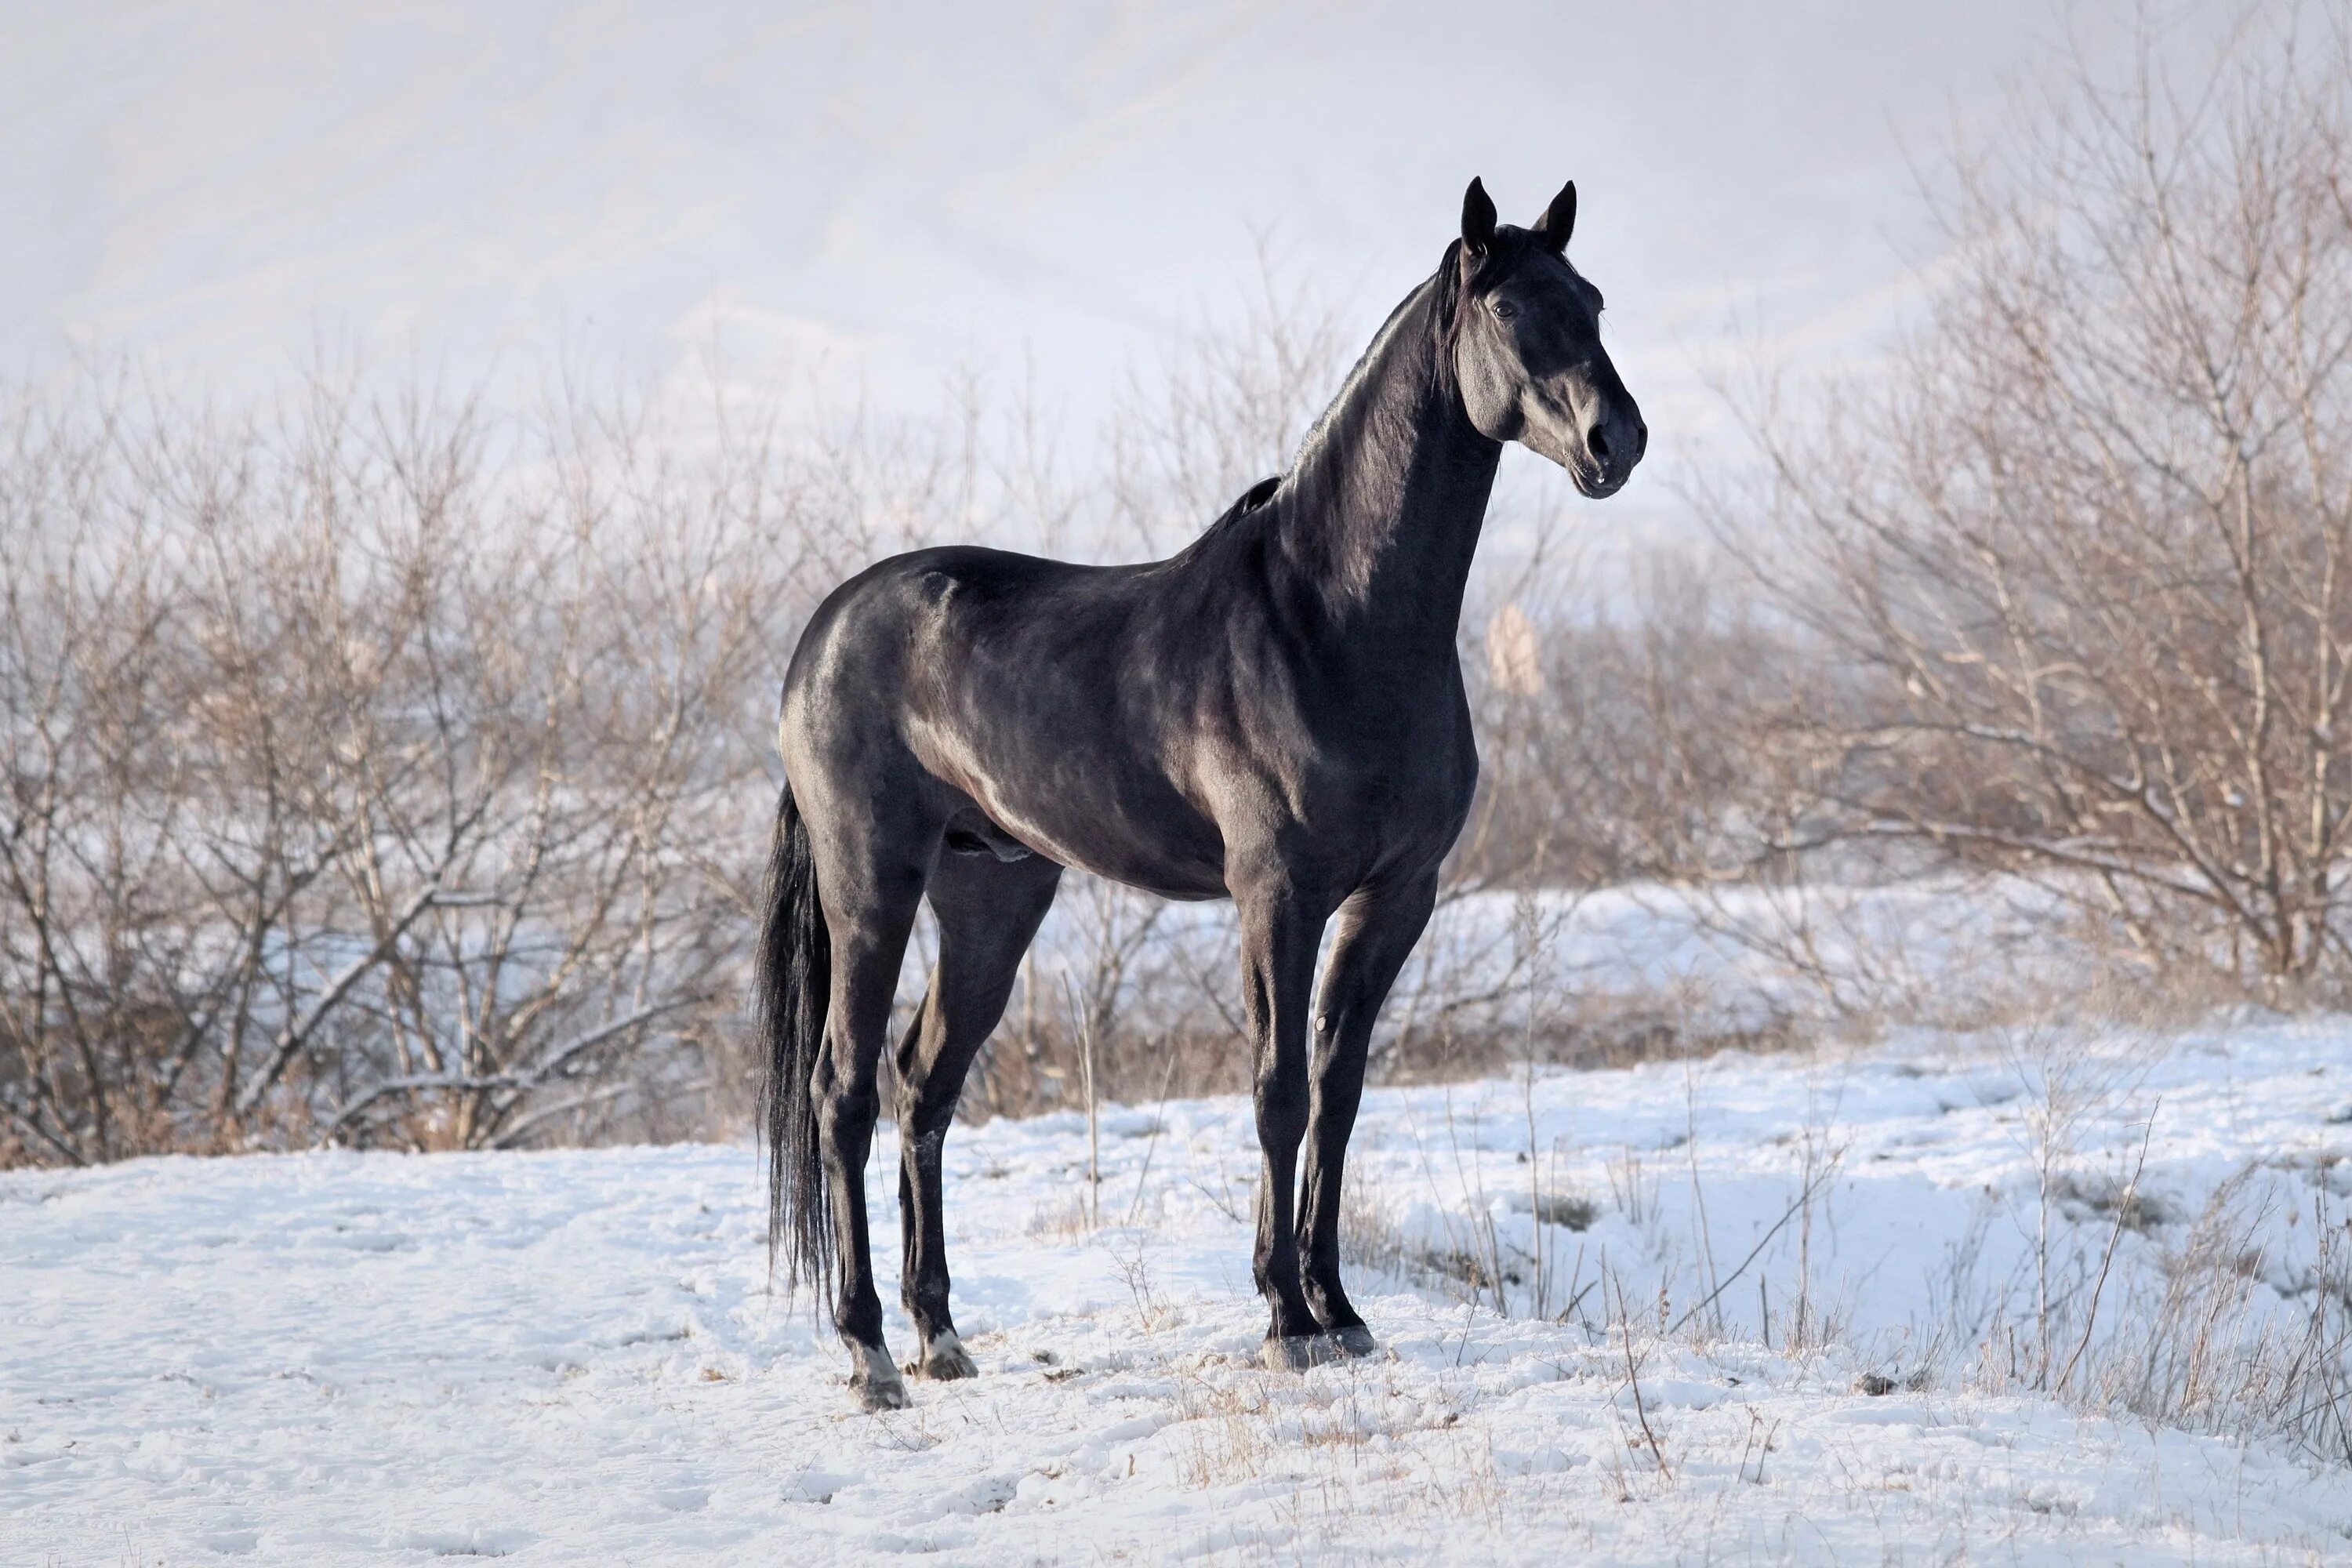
<point x="883" y="195"/>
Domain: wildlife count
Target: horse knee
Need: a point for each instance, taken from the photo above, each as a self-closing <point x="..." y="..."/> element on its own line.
<point x="921" y="1147"/>
<point x="1337" y="1064"/>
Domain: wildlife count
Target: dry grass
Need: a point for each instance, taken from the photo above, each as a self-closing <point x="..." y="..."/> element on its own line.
<point x="1064" y="1219"/>
<point x="1336" y="1442"/>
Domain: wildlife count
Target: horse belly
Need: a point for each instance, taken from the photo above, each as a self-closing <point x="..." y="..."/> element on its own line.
<point x="1104" y="815"/>
<point x="1155" y="850"/>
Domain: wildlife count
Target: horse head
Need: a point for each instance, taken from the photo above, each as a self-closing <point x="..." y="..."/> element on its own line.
<point x="1526" y="347"/>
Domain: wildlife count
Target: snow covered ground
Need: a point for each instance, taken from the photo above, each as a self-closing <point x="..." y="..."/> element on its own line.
<point x="571" y="1357"/>
<point x="1719" y="960"/>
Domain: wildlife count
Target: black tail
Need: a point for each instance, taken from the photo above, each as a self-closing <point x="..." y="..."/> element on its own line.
<point x="795" y="976"/>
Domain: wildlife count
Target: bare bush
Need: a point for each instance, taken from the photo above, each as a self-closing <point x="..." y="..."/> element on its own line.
<point x="2079" y="558"/>
<point x="365" y="769"/>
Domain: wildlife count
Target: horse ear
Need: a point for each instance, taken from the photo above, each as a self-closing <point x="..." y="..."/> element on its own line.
<point x="1477" y="219"/>
<point x="1558" y="220"/>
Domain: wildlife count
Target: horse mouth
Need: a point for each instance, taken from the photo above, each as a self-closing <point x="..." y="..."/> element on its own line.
<point x="1594" y="483"/>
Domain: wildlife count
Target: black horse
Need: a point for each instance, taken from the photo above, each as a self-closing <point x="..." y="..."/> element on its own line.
<point x="1274" y="715"/>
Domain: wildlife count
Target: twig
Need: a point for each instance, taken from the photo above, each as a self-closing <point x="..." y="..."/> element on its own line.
<point x="1159" y="1120"/>
<point x="1084" y="1018"/>
<point x="296" y="1033"/>
<point x="1803" y="1198"/>
<point x="1699" y="1194"/>
<point x="2115" y="1235"/>
<point x="1634" y="1376"/>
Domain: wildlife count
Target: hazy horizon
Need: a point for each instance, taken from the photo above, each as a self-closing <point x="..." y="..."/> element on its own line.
<point x="872" y="201"/>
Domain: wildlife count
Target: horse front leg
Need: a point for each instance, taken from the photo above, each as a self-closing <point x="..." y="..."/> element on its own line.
<point x="1279" y="933"/>
<point x="1378" y="927"/>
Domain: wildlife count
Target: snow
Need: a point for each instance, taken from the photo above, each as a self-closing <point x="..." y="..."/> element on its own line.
<point x="338" y="1358"/>
<point x="1720" y="960"/>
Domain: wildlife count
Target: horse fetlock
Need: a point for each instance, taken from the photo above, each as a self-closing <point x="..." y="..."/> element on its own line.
<point x="1328" y="1301"/>
<point x="1290" y="1319"/>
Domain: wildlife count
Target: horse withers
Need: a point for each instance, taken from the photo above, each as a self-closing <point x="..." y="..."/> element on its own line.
<point x="1274" y="715"/>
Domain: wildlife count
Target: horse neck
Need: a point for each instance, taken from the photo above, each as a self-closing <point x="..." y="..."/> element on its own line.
<point x="1380" y="517"/>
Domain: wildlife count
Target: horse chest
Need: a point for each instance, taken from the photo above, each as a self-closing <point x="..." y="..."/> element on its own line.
<point x="1394" y="778"/>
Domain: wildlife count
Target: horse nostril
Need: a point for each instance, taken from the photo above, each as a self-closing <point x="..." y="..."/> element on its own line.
<point x="1640" y="440"/>
<point x="1597" y="445"/>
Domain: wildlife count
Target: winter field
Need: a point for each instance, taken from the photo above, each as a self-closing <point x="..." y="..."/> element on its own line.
<point x="1702" y="1271"/>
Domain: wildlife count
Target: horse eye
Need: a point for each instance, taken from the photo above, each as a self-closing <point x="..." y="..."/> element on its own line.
<point x="1506" y="310"/>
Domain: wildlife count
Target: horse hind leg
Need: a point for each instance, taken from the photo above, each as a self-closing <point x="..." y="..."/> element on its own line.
<point x="989" y="911"/>
<point x="872" y="875"/>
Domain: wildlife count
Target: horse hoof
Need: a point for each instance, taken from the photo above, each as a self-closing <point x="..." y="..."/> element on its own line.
<point x="875" y="1383"/>
<point x="945" y="1360"/>
<point x="1297" y="1353"/>
<point x="1355" y="1339"/>
<point x="874" y="1394"/>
